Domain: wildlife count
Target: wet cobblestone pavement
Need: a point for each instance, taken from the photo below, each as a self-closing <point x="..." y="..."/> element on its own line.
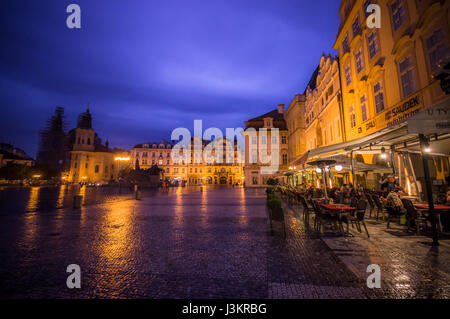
<point x="212" y="244"/>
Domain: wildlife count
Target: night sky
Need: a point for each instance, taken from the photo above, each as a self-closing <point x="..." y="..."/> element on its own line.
<point x="147" y="67"/>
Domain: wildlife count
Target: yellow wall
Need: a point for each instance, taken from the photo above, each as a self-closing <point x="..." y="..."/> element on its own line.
<point x="384" y="67"/>
<point x="323" y="123"/>
<point x="295" y="122"/>
<point x="94" y="167"/>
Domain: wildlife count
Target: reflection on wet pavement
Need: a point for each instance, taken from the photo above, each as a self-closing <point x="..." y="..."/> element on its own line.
<point x="210" y="244"/>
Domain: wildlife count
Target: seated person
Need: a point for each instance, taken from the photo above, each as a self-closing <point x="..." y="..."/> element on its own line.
<point x="394" y="202"/>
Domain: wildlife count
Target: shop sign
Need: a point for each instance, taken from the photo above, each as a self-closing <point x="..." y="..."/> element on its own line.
<point x="435" y="120"/>
<point x="403" y="111"/>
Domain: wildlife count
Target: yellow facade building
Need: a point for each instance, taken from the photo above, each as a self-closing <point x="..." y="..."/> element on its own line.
<point x="196" y="168"/>
<point x="322" y="106"/>
<point x="296" y="124"/>
<point x="90" y="161"/>
<point x="260" y="163"/>
<point x="359" y="104"/>
<point x="387" y="72"/>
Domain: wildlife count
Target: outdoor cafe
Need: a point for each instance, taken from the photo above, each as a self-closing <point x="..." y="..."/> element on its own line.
<point x="403" y="166"/>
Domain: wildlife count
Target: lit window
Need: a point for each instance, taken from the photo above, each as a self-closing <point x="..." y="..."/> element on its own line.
<point x="285" y="159"/>
<point x="283" y="140"/>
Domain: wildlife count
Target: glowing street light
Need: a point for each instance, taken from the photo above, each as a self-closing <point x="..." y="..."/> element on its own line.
<point x="338" y="168"/>
<point x="383" y="153"/>
<point x="37" y="176"/>
<point x="119" y="158"/>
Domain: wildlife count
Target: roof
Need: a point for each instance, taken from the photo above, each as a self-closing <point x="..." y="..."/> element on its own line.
<point x="258" y="122"/>
<point x="7" y="155"/>
<point x="313" y="80"/>
<point x="163" y="141"/>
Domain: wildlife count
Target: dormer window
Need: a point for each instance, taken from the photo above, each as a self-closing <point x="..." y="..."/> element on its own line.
<point x="268" y="122"/>
<point x="145" y="146"/>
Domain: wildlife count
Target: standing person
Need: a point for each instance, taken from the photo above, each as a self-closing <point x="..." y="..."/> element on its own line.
<point x="384" y="182"/>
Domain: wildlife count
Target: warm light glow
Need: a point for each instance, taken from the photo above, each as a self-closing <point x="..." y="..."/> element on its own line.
<point x="118" y="158"/>
<point x="317" y="184"/>
<point x="84" y="177"/>
<point x="64" y="177"/>
<point x="37" y="176"/>
<point x="290" y="167"/>
<point x="408" y="186"/>
<point x="331" y="183"/>
<point x="427" y="150"/>
<point x="318" y="170"/>
<point x="383" y="155"/>
<point x="338" y="168"/>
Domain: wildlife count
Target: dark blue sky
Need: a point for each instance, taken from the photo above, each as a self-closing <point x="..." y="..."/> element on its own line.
<point x="148" y="66"/>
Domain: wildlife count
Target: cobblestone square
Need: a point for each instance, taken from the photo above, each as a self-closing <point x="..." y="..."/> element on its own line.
<point x="211" y="244"/>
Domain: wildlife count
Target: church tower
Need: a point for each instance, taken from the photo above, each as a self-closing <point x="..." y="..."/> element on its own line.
<point x="84" y="134"/>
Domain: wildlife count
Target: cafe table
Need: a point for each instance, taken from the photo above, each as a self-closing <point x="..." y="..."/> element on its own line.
<point x="440" y="209"/>
<point x="338" y="209"/>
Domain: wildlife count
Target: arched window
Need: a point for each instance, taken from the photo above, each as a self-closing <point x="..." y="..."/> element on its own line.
<point x="89" y="141"/>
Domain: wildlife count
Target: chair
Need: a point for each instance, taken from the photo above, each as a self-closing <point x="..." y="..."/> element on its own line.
<point x="321" y="218"/>
<point x="394" y="212"/>
<point x="359" y="216"/>
<point x="379" y="206"/>
<point x="413" y="217"/>
<point x="370" y="203"/>
<point x="307" y="209"/>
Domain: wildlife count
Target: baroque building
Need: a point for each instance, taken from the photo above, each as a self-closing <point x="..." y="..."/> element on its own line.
<point x="198" y="163"/>
<point x="90" y="160"/>
<point x="390" y="73"/>
<point x="266" y="148"/>
<point x="322" y="106"/>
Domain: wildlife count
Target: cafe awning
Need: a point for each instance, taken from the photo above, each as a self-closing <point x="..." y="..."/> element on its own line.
<point x="375" y="139"/>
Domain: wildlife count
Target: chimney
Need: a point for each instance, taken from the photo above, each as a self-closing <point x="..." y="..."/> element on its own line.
<point x="281" y="108"/>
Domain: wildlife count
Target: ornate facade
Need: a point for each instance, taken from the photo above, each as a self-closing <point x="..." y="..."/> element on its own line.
<point x="199" y="167"/>
<point x="90" y="160"/>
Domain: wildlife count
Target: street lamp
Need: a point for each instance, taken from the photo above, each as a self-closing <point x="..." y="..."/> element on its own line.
<point x="383" y="153"/>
